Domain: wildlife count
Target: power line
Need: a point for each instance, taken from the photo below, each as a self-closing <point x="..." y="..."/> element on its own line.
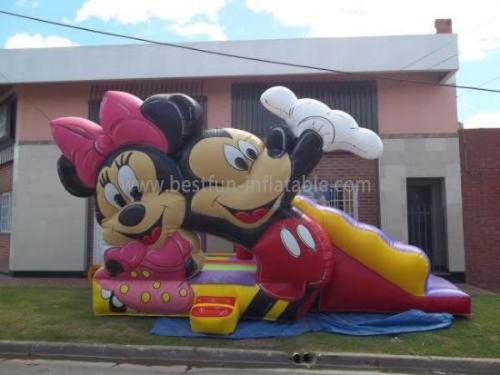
<point x="474" y="28"/>
<point x="444" y="60"/>
<point x="465" y="92"/>
<point x="28" y="100"/>
<point x="417" y="60"/>
<point x="241" y="57"/>
<point x="489" y="81"/>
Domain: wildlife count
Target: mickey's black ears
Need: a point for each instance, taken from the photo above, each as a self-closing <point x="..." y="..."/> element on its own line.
<point x="69" y="179"/>
<point x="178" y="116"/>
<point x="279" y="140"/>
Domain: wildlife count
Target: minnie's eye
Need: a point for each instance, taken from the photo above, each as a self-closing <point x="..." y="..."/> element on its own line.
<point x="128" y="183"/>
<point x="235" y="158"/>
<point x="248" y="150"/>
<point x="113" y="197"/>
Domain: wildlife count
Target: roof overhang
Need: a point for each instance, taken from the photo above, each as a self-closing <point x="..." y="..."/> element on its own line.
<point x="384" y="54"/>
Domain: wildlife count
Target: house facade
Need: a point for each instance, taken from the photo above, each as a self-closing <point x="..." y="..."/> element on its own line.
<point x="413" y="192"/>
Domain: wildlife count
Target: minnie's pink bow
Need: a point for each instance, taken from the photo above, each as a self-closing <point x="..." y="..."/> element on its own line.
<point x="86" y="144"/>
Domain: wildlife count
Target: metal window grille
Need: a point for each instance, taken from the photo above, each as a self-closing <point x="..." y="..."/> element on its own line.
<point x="345" y="198"/>
<point x="5" y="212"/>
<point x="7" y="123"/>
<point x="358" y="98"/>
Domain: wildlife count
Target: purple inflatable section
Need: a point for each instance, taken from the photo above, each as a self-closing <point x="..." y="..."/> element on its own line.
<point x="396" y="245"/>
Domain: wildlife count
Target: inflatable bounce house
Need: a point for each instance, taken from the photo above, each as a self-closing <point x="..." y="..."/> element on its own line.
<point x="158" y="178"/>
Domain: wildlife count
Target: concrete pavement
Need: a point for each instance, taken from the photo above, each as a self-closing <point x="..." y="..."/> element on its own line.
<point x="59" y="367"/>
<point x="194" y="357"/>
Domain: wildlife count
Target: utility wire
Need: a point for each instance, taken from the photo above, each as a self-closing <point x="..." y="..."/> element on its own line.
<point x="417" y="60"/>
<point x="445" y="60"/>
<point x="241" y="57"/>
<point x="464" y="93"/>
<point x="475" y="28"/>
<point x="28" y="100"/>
<point x="489" y="81"/>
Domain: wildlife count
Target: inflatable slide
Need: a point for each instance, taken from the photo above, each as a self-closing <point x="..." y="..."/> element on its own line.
<point x="374" y="273"/>
<point x="158" y="177"/>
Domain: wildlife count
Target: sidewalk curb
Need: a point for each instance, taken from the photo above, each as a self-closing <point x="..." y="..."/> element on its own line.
<point x="213" y="357"/>
<point x="408" y="363"/>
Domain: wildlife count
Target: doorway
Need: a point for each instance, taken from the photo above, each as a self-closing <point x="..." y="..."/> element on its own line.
<point x="426" y="219"/>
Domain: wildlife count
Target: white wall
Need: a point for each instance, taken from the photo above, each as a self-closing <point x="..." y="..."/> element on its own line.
<point x="357" y="54"/>
<point x="48" y="224"/>
<point x="422" y="157"/>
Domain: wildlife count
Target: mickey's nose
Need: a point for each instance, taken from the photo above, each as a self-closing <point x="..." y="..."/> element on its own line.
<point x="132" y="215"/>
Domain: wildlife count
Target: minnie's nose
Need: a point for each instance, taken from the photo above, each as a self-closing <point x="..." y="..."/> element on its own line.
<point x="132" y="215"/>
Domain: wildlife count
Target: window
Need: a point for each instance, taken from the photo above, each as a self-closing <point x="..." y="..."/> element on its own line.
<point x="344" y="198"/>
<point x="358" y="98"/>
<point x="5" y="212"/>
<point x="7" y="121"/>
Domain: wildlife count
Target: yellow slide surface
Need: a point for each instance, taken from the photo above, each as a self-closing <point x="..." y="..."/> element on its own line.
<point x="407" y="269"/>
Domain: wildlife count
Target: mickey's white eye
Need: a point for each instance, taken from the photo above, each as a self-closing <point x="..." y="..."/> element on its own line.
<point x="248" y="150"/>
<point x="128" y="183"/>
<point x="113" y="197"/>
<point x="235" y="158"/>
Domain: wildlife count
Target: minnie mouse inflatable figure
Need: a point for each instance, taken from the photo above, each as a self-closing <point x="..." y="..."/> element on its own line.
<point x="124" y="163"/>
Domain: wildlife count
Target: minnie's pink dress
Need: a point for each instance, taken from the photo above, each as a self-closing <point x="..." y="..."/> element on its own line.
<point x="150" y="281"/>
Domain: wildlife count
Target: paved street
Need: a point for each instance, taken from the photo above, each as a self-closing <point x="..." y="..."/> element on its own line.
<point x="30" y="367"/>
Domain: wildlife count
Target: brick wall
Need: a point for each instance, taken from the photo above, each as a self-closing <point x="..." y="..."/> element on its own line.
<point x="5" y="185"/>
<point x="346" y="166"/>
<point x="480" y="163"/>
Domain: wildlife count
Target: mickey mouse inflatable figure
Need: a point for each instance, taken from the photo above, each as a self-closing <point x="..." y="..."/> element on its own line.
<point x="246" y="188"/>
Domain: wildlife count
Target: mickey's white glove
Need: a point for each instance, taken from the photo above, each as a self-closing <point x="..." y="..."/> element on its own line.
<point x="338" y="129"/>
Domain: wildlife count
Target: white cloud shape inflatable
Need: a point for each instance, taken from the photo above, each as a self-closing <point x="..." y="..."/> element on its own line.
<point x="338" y="129"/>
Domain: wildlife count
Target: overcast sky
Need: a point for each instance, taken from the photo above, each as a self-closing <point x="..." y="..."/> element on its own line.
<point x="476" y="23"/>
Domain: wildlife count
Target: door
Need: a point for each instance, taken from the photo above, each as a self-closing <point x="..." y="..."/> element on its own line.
<point x="426" y="219"/>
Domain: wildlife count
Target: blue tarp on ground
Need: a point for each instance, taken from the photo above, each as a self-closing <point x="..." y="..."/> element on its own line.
<point x="345" y="324"/>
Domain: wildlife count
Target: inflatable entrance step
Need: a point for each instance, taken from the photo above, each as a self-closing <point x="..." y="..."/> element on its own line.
<point x="214" y="315"/>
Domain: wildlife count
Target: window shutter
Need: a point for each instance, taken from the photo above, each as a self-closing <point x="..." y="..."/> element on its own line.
<point x="358" y="98"/>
